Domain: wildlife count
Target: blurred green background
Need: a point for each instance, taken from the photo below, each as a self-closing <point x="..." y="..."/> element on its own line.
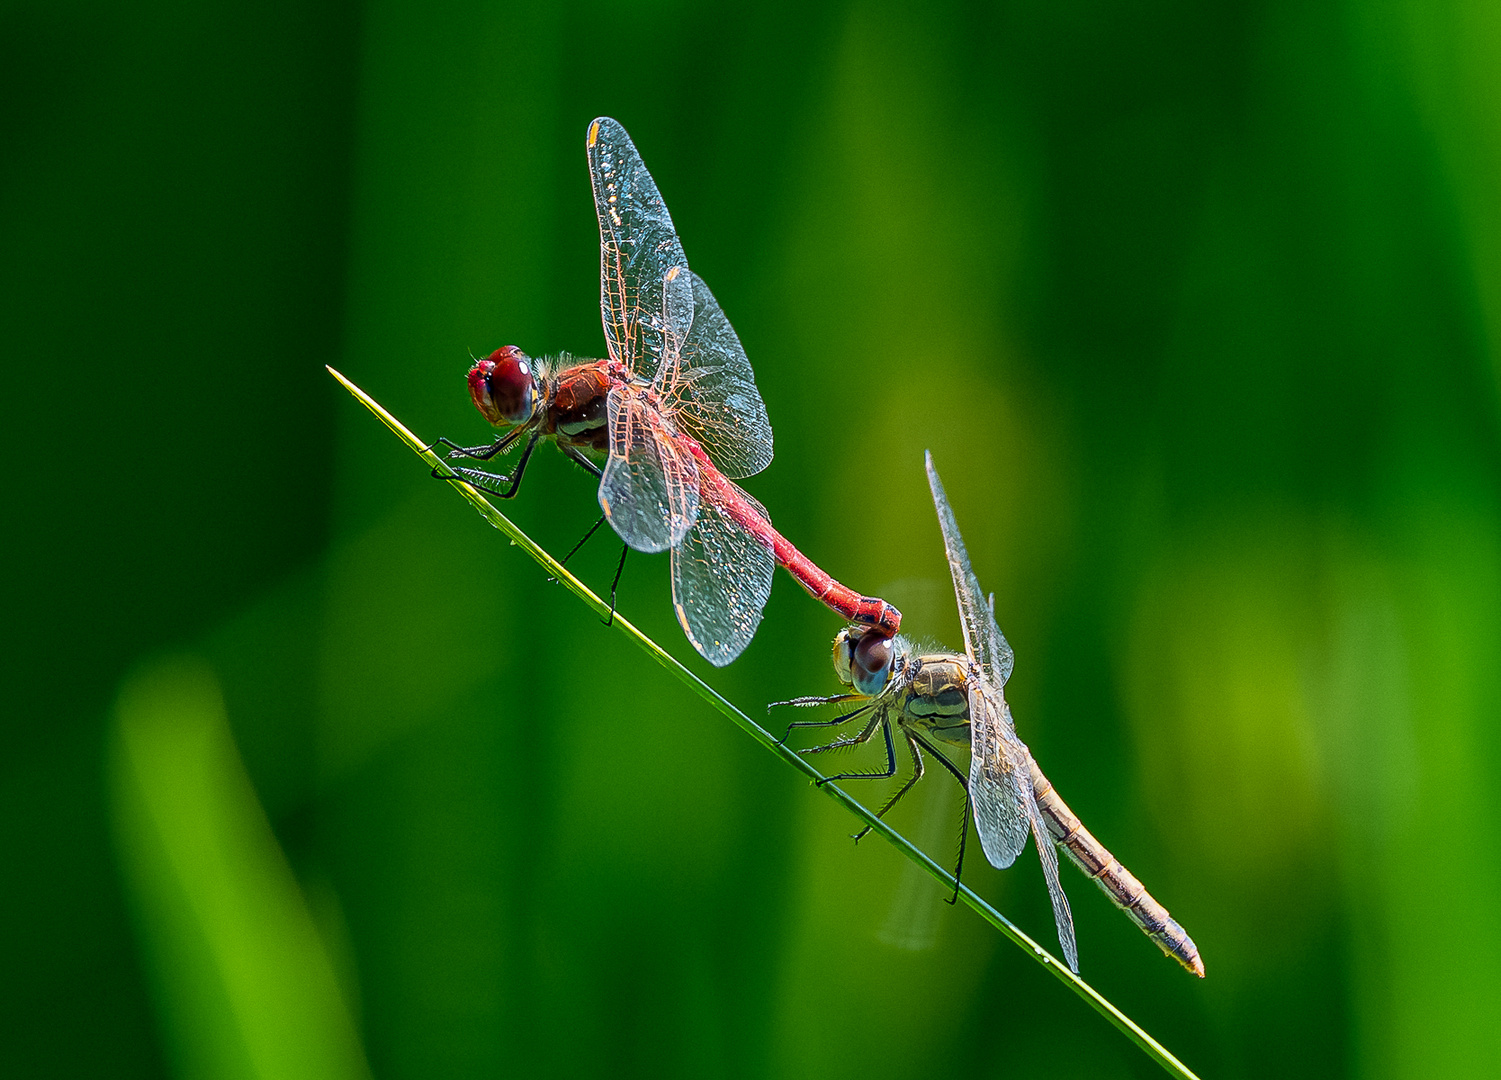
<point x="308" y="773"/>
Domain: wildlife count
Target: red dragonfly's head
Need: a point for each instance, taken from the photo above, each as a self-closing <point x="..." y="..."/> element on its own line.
<point x="504" y="386"/>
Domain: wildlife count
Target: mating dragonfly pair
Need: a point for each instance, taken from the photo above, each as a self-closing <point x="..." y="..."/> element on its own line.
<point x="676" y="413"/>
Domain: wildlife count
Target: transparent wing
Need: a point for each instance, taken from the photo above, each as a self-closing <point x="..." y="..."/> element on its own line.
<point x="677" y="324"/>
<point x="1000" y="767"/>
<point x="1048" y="855"/>
<point x="1061" y="914"/>
<point x="721" y="578"/>
<point x="637" y="246"/>
<point x="711" y="390"/>
<point x="1000" y="783"/>
<point x="650" y="487"/>
<point x="983" y="639"/>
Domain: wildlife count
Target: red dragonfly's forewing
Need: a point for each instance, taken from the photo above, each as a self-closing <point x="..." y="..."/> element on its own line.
<point x="712" y="394"/>
<point x="703" y="376"/>
<point x="637" y="247"/>
<point x="721" y="579"/>
<point x="649" y="490"/>
<point x="677" y="326"/>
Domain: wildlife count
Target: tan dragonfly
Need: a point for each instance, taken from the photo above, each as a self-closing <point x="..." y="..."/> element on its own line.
<point x="944" y="700"/>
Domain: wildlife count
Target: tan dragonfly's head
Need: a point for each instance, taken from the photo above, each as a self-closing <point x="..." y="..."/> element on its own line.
<point x="864" y="658"/>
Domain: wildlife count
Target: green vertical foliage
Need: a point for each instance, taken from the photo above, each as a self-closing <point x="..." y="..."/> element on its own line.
<point x="244" y="984"/>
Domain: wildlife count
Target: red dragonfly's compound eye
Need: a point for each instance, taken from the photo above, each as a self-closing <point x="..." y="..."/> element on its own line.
<point x="503" y="386"/>
<point x="870" y="664"/>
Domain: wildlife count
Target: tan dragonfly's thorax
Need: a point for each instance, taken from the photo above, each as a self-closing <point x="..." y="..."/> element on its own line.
<point x="934" y="696"/>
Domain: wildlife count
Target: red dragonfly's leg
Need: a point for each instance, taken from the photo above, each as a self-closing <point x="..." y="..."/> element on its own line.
<point x="625" y="549"/>
<point x="575" y="549"/>
<point x="577" y="457"/>
<point x="502" y="487"/>
<point x="480" y="453"/>
<point x="619" y="569"/>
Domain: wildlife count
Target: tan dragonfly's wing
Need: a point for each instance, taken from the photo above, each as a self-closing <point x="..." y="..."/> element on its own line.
<point x="637" y="247"/>
<point x="1000" y="764"/>
<point x="1000" y="785"/>
<point x="721" y="579"/>
<point x="649" y="490"/>
<point x="1000" y="788"/>
<point x="983" y="639"/>
<point x="1046" y="853"/>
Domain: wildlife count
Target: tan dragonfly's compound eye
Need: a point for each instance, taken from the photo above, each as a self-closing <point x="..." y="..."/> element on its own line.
<point x="844" y="648"/>
<point x="871" y="664"/>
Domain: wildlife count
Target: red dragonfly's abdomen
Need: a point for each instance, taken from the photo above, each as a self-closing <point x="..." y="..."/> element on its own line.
<point x="869" y="611"/>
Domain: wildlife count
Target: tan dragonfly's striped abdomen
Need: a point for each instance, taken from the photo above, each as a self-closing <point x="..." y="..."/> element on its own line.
<point x="1128" y="894"/>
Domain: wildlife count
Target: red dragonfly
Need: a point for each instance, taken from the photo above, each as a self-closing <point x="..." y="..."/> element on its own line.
<point x="676" y="410"/>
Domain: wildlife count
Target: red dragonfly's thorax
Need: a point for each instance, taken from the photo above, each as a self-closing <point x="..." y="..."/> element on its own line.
<point x="577" y="410"/>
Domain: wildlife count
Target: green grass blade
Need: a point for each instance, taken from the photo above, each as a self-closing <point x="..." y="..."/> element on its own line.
<point x="555" y="569"/>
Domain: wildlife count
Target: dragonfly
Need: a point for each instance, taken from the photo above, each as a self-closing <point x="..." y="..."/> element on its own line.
<point x="943" y="701"/>
<point x="675" y="411"/>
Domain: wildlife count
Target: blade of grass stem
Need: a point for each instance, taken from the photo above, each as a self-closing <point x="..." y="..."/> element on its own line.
<point x="1150" y="1046"/>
